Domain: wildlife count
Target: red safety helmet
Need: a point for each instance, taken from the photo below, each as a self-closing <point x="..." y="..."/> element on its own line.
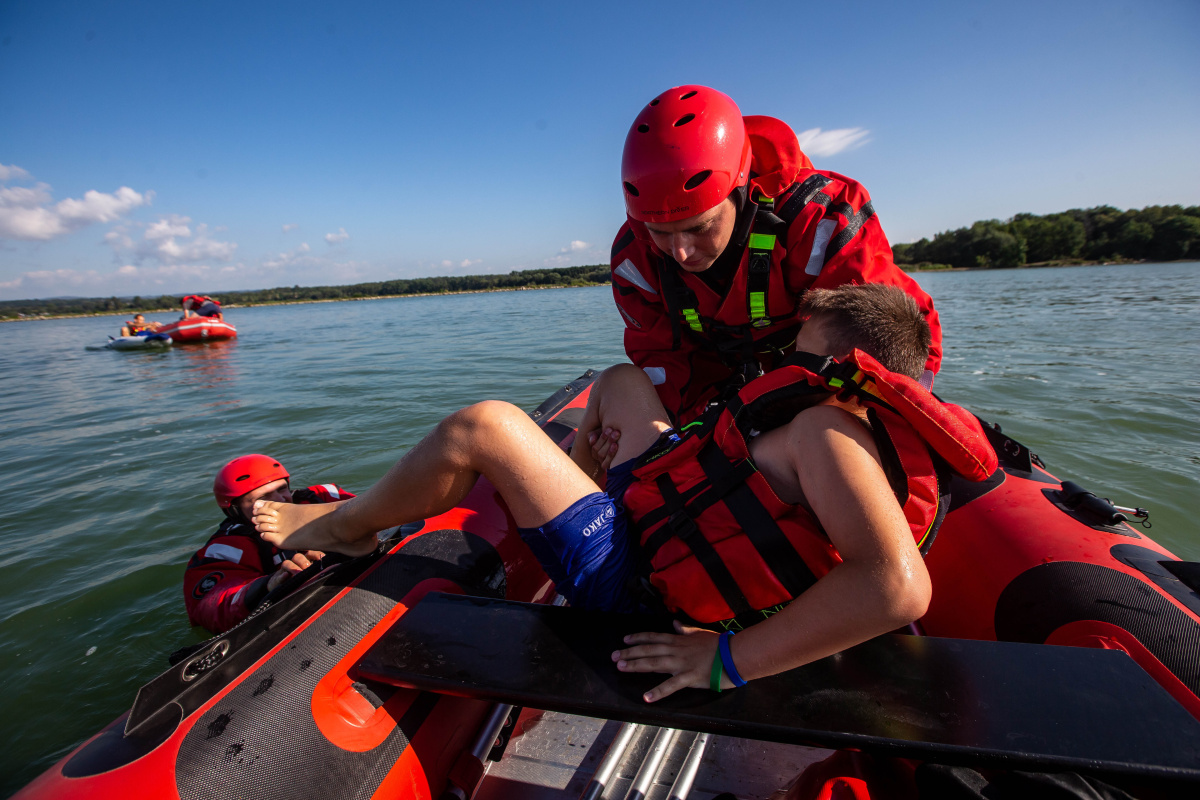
<point x="685" y="153"/>
<point x="245" y="474"/>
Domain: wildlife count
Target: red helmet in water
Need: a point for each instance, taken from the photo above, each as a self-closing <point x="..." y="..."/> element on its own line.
<point x="245" y="474"/>
<point x="685" y="153"/>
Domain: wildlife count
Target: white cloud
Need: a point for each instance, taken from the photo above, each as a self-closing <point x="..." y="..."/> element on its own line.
<point x="573" y="254"/>
<point x="169" y="227"/>
<point x="170" y="240"/>
<point x="816" y="142"/>
<point x="294" y="256"/>
<point x="289" y="226"/>
<point x="27" y="213"/>
<point x="337" y="238"/>
<point x="11" y="172"/>
<point x="467" y="262"/>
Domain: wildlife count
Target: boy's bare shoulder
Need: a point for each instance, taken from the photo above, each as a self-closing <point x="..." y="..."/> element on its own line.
<point x="814" y="425"/>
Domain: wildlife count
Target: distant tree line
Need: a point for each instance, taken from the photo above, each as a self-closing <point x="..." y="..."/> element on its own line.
<point x="1104" y="233"/>
<point x="533" y="278"/>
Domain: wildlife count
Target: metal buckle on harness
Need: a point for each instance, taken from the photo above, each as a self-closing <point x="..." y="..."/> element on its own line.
<point x="683" y="525"/>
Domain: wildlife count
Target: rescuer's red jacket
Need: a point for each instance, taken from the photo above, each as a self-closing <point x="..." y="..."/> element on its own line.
<point x="720" y="543"/>
<point x="832" y="238"/>
<point x="227" y="577"/>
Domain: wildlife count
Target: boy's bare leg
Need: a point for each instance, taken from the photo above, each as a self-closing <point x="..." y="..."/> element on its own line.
<point x="495" y="439"/>
<point x="624" y="409"/>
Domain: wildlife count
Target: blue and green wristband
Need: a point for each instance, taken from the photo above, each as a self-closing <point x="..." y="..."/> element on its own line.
<point x="723" y="661"/>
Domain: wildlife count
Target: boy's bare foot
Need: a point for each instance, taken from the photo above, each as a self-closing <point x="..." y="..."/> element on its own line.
<point x="309" y="527"/>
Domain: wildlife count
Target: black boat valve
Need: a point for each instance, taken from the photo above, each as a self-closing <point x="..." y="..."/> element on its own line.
<point x="1099" y="509"/>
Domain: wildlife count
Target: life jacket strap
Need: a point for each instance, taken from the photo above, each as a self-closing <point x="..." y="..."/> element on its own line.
<point x="773" y="547"/>
<point x="684" y="527"/>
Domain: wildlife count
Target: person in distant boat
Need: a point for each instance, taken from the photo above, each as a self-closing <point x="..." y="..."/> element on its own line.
<point x="138" y="325"/>
<point x="201" y="306"/>
<point x="850" y="497"/>
<point x="235" y="569"/>
<point x="728" y="226"/>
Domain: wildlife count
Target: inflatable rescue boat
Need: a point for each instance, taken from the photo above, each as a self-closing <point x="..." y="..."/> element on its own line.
<point x="198" y="329"/>
<point x="286" y="704"/>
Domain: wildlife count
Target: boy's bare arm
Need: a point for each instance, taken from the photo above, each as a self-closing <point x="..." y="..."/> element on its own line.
<point x="880" y="585"/>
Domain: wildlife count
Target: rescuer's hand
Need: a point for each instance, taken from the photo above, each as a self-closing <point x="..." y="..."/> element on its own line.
<point x="293" y="566"/>
<point x="604" y="446"/>
<point x="688" y="656"/>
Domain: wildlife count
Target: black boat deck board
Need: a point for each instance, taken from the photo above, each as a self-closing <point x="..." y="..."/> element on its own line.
<point x="1001" y="704"/>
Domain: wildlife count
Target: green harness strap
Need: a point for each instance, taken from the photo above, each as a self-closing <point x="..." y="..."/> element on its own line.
<point x="762" y="245"/>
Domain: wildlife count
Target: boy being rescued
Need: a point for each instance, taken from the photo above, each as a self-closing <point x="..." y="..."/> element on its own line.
<point x="801" y="503"/>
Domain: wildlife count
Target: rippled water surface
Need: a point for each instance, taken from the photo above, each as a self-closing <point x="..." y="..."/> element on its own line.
<point x="107" y="458"/>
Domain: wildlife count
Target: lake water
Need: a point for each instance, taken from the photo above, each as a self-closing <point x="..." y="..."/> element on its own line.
<point x="107" y="458"/>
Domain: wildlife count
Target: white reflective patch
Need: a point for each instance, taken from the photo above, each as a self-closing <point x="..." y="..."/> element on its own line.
<point x="629" y="320"/>
<point x="224" y="552"/>
<point x="926" y="379"/>
<point x="333" y="490"/>
<point x="237" y="596"/>
<point x="657" y="375"/>
<point x="630" y="273"/>
<point x="816" y="259"/>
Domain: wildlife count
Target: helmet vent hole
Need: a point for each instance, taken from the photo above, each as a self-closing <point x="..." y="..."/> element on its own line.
<point x="654" y="102"/>
<point x="689" y="94"/>
<point x="643" y="128"/>
<point x="241" y="478"/>
<point x="684" y="120"/>
<point x="629" y="187"/>
<point x="697" y="179"/>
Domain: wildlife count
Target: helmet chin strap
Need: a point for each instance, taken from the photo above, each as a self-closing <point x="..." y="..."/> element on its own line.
<point x="234" y="512"/>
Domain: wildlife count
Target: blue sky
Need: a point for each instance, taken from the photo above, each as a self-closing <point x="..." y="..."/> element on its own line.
<point x="204" y="146"/>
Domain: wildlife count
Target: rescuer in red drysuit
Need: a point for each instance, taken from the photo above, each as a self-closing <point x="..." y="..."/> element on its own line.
<point x="728" y="226"/>
<point x="201" y="306"/>
<point x="228" y="577"/>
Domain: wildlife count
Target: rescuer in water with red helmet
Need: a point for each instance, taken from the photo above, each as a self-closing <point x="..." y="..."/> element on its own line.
<point x="231" y="574"/>
<point x="728" y="226"/>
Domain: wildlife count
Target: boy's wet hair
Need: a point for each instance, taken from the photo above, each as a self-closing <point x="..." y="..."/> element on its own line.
<point x="883" y="321"/>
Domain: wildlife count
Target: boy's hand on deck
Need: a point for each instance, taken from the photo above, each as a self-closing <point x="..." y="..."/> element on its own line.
<point x="688" y="656"/>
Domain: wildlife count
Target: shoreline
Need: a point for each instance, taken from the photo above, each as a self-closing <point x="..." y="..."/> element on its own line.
<point x="129" y="313"/>
<point x="1047" y="265"/>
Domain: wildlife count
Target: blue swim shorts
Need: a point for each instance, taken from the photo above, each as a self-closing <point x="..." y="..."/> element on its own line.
<point x="586" y="550"/>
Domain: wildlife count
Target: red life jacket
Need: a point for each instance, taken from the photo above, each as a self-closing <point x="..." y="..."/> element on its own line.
<point x="722" y="546"/>
<point x="194" y="301"/>
<point x="136" y="328"/>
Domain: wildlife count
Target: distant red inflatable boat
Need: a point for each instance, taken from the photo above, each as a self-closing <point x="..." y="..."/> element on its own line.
<point x="198" y="329"/>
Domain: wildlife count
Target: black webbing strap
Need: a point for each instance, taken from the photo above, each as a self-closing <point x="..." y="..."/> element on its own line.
<point x="685" y="528"/>
<point x="694" y="502"/>
<point x="944" y="473"/>
<point x="804" y="194"/>
<point x="681" y="301"/>
<point x="622" y="243"/>
<point x="854" y="223"/>
<point x="893" y="468"/>
<point x="761" y="247"/>
<point x="760" y="528"/>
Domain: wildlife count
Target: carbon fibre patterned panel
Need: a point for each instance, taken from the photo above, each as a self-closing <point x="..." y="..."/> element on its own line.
<point x="1043" y="599"/>
<point x="260" y="741"/>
